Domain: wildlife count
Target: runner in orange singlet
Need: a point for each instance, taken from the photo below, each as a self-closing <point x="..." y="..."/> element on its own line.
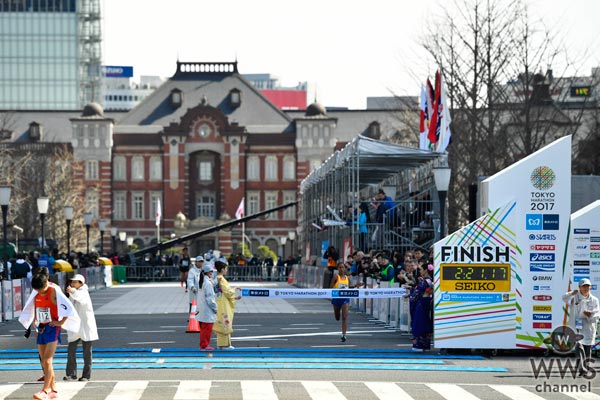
<point x="49" y="327"/>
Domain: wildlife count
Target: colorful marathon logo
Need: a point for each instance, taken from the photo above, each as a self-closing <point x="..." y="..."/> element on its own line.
<point x="543" y="178"/>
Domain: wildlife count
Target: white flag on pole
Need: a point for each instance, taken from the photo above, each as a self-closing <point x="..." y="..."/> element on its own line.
<point x="240" y="210"/>
<point x="158" y="212"/>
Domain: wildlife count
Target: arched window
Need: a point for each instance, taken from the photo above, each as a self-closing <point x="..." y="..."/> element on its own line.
<point x="271" y="168"/>
<point x="289" y="168"/>
<point x="253" y="168"/>
<point x="155" y="168"/>
<point x="137" y="169"/>
<point x="119" y="168"/>
<point x="91" y="201"/>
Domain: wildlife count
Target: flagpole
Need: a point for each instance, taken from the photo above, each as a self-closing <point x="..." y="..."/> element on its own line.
<point x="243" y="237"/>
<point x="158" y="237"/>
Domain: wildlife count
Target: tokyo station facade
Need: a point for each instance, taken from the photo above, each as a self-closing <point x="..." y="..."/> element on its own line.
<point x="199" y="144"/>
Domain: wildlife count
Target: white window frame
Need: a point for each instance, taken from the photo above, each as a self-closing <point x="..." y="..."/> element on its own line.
<point x="289" y="168"/>
<point x="137" y="168"/>
<point x="137" y="205"/>
<point x="271" y="197"/>
<point x="253" y="202"/>
<point x="91" y="170"/>
<point x="209" y="206"/>
<point x="202" y="169"/>
<point x="120" y="206"/>
<point x="289" y="213"/>
<point x="271" y="169"/>
<point x="92" y="201"/>
<point x="119" y="168"/>
<point x="253" y="173"/>
<point x="155" y="168"/>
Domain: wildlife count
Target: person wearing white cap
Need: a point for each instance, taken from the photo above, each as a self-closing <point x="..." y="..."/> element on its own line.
<point x="207" y="307"/>
<point x="88" y="332"/>
<point x="193" y="279"/>
<point x="584" y="312"/>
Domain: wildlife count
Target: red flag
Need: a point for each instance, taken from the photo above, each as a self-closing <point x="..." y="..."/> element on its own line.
<point x="240" y="210"/>
<point x="433" y="134"/>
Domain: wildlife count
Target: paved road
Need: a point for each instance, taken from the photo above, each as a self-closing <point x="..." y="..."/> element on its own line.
<point x="285" y="349"/>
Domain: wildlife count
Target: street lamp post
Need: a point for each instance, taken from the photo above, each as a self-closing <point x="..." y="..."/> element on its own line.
<point x="68" y="210"/>
<point x="88" y="222"/>
<point x="4" y="200"/>
<point x="283" y="241"/>
<point x="292" y="237"/>
<point x="129" y="243"/>
<point x="441" y="176"/>
<point x="42" y="205"/>
<point x="113" y="235"/>
<point x="122" y="238"/>
<point x="102" y="227"/>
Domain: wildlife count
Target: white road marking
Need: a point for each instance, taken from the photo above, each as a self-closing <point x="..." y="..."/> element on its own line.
<point x="258" y="390"/>
<point x="193" y="390"/>
<point x="128" y="390"/>
<point x="388" y="391"/>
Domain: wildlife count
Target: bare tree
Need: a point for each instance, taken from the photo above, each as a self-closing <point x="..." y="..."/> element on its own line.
<point x="489" y="52"/>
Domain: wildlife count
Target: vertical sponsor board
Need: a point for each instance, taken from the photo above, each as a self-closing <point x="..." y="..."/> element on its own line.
<point x="525" y="233"/>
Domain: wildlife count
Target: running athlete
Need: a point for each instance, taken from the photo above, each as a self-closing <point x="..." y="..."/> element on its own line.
<point x="341" y="306"/>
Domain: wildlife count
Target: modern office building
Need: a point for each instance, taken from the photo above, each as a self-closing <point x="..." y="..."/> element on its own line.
<point x="119" y="90"/>
<point x="50" y="54"/>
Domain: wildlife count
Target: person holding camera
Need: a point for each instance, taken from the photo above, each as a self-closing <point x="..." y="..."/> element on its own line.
<point x="583" y="317"/>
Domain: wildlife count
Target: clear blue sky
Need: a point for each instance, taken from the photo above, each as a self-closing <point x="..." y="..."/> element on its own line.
<point x="346" y="50"/>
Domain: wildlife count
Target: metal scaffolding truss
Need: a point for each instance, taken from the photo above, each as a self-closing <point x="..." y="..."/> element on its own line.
<point x="351" y="176"/>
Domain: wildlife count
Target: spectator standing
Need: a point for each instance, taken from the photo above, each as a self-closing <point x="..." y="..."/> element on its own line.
<point x="225" y="308"/>
<point x="184" y="267"/>
<point x="21" y="268"/>
<point x="583" y="317"/>
<point x="207" y="307"/>
<point x="268" y="263"/>
<point x="332" y="256"/>
<point x="193" y="280"/>
<point x="280" y="268"/>
<point x="422" y="297"/>
<point x="388" y="272"/>
<point x="88" y="332"/>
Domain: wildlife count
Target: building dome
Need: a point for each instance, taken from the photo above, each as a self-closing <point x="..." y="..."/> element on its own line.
<point x="92" y="110"/>
<point x="315" y="109"/>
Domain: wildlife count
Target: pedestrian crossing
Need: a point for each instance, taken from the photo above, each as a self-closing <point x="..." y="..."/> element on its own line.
<point x="286" y="389"/>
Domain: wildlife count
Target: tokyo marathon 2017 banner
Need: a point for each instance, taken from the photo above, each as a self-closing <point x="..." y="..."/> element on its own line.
<point x="499" y="280"/>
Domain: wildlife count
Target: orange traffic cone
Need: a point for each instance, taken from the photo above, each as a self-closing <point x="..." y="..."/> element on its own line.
<point x="193" y="324"/>
<point x="291" y="277"/>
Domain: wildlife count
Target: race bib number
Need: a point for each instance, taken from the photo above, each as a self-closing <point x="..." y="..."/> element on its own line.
<point x="342" y="286"/>
<point x="184" y="263"/>
<point x="42" y="315"/>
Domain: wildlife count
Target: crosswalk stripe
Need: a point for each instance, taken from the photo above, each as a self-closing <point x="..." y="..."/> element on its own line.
<point x="583" y="395"/>
<point x="6" y="390"/>
<point x="322" y="390"/>
<point x="68" y="390"/>
<point x="388" y="391"/>
<point x="258" y="390"/>
<point x="451" y="391"/>
<point x="128" y="390"/>
<point x="516" y="392"/>
<point x="193" y="390"/>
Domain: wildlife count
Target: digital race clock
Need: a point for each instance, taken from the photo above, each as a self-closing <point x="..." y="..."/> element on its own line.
<point x="475" y="277"/>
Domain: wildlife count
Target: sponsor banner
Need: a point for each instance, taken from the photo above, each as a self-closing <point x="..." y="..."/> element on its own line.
<point x="581" y="231"/>
<point x="541" y="297"/>
<point x="595" y="239"/>
<point x="542" y="267"/>
<point x="537" y="308"/>
<point x="542" y="287"/>
<point x="595" y="254"/>
<point x="476" y="297"/>
<point x="595" y="247"/>
<point x="543" y="247"/>
<point x="541" y="257"/>
<point x="579" y="271"/>
<point x="542" y="236"/>
<point x="542" y="317"/>
<point x="581" y="263"/>
<point x="324" y="293"/>
<point x="113" y="71"/>
<point x="542" y="325"/>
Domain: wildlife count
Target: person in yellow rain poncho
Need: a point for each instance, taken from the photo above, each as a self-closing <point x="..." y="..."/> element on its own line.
<point x="226" y="298"/>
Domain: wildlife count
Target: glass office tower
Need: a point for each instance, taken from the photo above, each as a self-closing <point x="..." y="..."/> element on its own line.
<point x="50" y="54"/>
